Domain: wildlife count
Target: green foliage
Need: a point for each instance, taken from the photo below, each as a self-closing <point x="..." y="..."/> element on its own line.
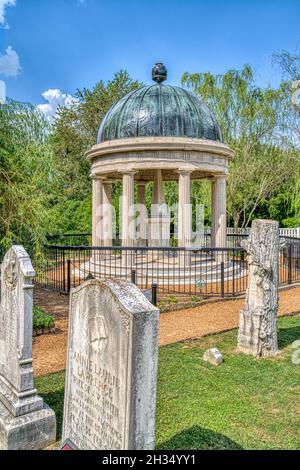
<point x="195" y="298"/>
<point x="26" y="175"/>
<point x="45" y="185"/>
<point x="243" y="404"/>
<point x="41" y="319"/>
<point x="72" y="216"/>
<point x="255" y="124"/>
<point x="289" y="64"/>
<point x="290" y="68"/>
<point x="172" y="299"/>
<point x="74" y="132"/>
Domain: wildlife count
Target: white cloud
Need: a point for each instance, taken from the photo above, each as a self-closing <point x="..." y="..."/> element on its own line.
<point x="9" y="63"/>
<point x="3" y="5"/>
<point x="55" y="99"/>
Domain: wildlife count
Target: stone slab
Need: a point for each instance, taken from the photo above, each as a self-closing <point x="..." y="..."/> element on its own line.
<point x="25" y="421"/>
<point x="110" y="394"/>
<point x="213" y="356"/>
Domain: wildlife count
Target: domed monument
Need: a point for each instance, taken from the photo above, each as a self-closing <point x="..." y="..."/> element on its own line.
<point x="154" y="134"/>
<point x="159" y="111"/>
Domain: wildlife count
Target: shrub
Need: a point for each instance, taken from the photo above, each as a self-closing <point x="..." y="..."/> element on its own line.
<point x="41" y="319"/>
<point x="195" y="298"/>
<point x="172" y="299"/>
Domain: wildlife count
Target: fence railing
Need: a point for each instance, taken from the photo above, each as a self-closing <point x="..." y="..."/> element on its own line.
<point x="199" y="272"/>
<point x="70" y="239"/>
<point x="85" y="239"/>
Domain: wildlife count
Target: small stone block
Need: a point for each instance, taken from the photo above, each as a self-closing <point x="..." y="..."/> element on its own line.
<point x="213" y="356"/>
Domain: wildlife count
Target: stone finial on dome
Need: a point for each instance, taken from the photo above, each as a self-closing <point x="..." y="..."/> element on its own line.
<point x="159" y="72"/>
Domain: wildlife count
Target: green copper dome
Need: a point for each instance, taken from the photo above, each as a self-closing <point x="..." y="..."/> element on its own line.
<point x="159" y="110"/>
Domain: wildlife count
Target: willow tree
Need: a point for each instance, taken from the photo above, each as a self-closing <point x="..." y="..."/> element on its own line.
<point x="74" y="132"/>
<point x="26" y="174"/>
<point x="254" y="122"/>
<point x="290" y="67"/>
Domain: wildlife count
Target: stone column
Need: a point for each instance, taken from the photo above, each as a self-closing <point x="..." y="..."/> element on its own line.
<point x="97" y="235"/>
<point x="160" y="221"/>
<point x="184" y="209"/>
<point x="219" y="223"/>
<point x="128" y="229"/>
<point x="142" y="213"/>
<point x="107" y="214"/>
<point x="212" y="227"/>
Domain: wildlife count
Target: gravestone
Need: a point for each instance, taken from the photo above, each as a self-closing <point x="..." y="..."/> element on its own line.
<point x="213" y="356"/>
<point x="110" y="393"/>
<point x="25" y="421"/>
<point x="258" y="320"/>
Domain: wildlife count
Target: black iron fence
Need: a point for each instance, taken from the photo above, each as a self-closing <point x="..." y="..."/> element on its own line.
<point x="198" y="272"/>
<point x="203" y="239"/>
<point x="70" y="239"/>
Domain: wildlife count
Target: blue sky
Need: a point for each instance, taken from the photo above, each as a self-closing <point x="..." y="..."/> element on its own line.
<point x="66" y="44"/>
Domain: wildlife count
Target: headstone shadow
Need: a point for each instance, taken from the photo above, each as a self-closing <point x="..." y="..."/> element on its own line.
<point x="197" y="438"/>
<point x="55" y="400"/>
<point x="287" y="336"/>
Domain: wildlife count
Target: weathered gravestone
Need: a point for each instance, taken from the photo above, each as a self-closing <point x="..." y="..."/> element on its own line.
<point x="25" y="421"/>
<point x="110" y="394"/>
<point x="213" y="356"/>
<point x="258" y="320"/>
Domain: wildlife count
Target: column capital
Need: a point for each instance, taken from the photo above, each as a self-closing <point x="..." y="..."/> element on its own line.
<point x="219" y="177"/>
<point x="184" y="171"/>
<point x="98" y="177"/>
<point x="128" y="172"/>
<point x="141" y="183"/>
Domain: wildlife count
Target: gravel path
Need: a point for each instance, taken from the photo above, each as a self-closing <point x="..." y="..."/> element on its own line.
<point x="49" y="351"/>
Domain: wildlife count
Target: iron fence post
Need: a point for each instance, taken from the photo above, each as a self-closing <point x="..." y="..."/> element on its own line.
<point x="222" y="279"/>
<point x="154" y="294"/>
<point x="64" y="270"/>
<point x="290" y="263"/>
<point x="233" y="275"/>
<point x="69" y="275"/>
<point x="133" y="276"/>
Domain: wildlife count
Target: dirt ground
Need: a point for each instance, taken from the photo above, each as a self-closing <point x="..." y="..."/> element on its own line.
<point x="49" y="351"/>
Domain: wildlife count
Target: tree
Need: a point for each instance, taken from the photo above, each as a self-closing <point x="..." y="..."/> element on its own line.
<point x="254" y="122"/>
<point x="290" y="67"/>
<point x="288" y="63"/>
<point x="26" y="175"/>
<point x="74" y="132"/>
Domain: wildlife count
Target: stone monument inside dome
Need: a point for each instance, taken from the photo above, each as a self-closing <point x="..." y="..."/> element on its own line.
<point x="158" y="133"/>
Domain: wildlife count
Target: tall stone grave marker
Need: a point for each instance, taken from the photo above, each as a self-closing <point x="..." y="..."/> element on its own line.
<point x="110" y="394"/>
<point x="25" y="421"/>
<point x="258" y="320"/>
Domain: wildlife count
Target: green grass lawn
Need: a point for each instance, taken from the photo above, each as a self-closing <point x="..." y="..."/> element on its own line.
<point x="245" y="403"/>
